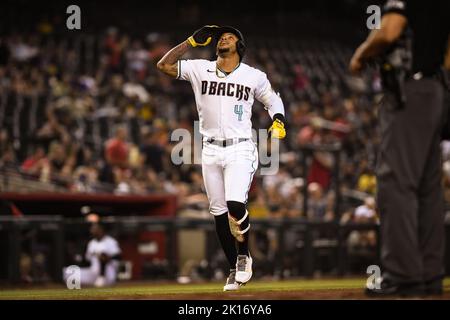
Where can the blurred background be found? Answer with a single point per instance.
(85, 125)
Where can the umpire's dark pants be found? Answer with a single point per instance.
(410, 196)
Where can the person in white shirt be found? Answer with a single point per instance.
(225, 90)
(366, 212)
(103, 253)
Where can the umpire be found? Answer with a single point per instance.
(410, 48)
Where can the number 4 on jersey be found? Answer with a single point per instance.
(238, 111)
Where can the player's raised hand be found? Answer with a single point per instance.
(203, 36)
(277, 130)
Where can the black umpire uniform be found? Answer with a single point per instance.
(411, 118)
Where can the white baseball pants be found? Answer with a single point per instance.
(228, 173)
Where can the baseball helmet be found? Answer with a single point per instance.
(240, 44)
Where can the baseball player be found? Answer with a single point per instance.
(103, 253)
(225, 90)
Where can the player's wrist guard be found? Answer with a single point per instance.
(279, 116)
(203, 36)
(277, 129)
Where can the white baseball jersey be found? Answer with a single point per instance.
(89, 275)
(224, 102)
(106, 245)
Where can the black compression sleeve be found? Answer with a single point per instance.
(280, 117)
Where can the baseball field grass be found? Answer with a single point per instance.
(348, 288)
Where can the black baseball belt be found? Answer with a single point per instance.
(226, 142)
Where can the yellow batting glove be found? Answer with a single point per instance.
(277, 129)
(194, 44)
(203, 36)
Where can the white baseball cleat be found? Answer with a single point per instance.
(243, 269)
(231, 284)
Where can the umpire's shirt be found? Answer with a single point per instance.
(410, 197)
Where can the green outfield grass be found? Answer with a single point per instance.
(147, 290)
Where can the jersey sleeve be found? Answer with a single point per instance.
(263, 89)
(268, 97)
(186, 69)
(396, 6)
(112, 247)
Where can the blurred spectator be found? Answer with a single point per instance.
(137, 58)
(85, 179)
(320, 170)
(52, 130)
(117, 149)
(4, 52)
(367, 181)
(57, 157)
(113, 49)
(446, 171)
(301, 79)
(103, 254)
(318, 204)
(5, 142)
(152, 151)
(362, 243)
(34, 163)
(23, 51)
(158, 46)
(8, 160)
(366, 213)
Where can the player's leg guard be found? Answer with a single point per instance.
(238, 220)
(226, 239)
(239, 226)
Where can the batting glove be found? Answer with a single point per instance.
(203, 36)
(277, 130)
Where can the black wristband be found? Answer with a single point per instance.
(279, 116)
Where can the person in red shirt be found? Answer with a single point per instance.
(33, 163)
(116, 149)
(116, 170)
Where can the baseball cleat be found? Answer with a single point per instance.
(100, 282)
(243, 269)
(235, 227)
(231, 284)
